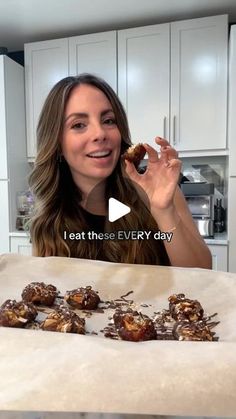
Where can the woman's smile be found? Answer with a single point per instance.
(99, 153)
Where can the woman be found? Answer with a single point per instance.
(82, 134)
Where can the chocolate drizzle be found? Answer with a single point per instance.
(183, 320)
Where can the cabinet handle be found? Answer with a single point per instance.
(164, 127)
(174, 130)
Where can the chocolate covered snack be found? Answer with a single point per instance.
(182, 308)
(64, 320)
(82, 298)
(40, 293)
(164, 325)
(134, 326)
(16, 314)
(192, 331)
(135, 153)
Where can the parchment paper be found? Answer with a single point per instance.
(48, 371)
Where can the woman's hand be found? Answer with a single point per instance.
(160, 180)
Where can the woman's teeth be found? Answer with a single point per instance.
(100, 154)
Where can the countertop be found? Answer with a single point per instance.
(219, 238)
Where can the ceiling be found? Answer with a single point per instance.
(23, 21)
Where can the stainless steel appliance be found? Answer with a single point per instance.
(200, 199)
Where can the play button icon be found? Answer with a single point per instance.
(116, 209)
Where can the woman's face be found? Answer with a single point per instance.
(91, 140)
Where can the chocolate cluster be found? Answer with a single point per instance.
(184, 321)
(182, 308)
(192, 331)
(134, 326)
(16, 314)
(82, 298)
(135, 154)
(64, 320)
(40, 293)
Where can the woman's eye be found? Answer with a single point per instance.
(78, 125)
(110, 121)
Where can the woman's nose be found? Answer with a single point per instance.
(98, 133)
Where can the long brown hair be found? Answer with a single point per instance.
(57, 197)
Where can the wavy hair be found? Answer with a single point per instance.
(57, 197)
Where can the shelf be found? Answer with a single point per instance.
(219, 238)
(19, 234)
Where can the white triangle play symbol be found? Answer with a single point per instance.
(116, 209)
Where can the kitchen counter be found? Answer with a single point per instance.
(219, 238)
(19, 234)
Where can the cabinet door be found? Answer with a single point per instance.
(231, 224)
(96, 54)
(232, 102)
(219, 257)
(199, 83)
(3, 140)
(143, 80)
(4, 217)
(21, 245)
(45, 64)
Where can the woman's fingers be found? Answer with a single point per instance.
(174, 163)
(131, 171)
(169, 152)
(135, 177)
(152, 154)
(162, 141)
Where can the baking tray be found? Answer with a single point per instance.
(48, 371)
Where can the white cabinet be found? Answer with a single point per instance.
(13, 164)
(4, 216)
(186, 61)
(199, 83)
(219, 257)
(21, 245)
(231, 224)
(95, 54)
(48, 62)
(172, 78)
(3, 133)
(232, 151)
(45, 64)
(144, 80)
(232, 103)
